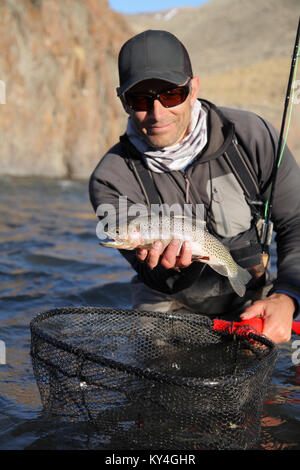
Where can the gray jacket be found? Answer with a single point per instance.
(211, 182)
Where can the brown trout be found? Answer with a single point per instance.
(143, 231)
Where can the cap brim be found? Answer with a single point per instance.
(176, 78)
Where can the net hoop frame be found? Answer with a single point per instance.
(197, 320)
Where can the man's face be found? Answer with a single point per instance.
(162, 126)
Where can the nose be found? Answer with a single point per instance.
(158, 110)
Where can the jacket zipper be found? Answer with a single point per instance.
(189, 196)
(187, 189)
(191, 199)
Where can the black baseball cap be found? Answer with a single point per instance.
(153, 54)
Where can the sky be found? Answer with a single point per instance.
(139, 6)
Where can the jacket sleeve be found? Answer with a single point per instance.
(108, 184)
(285, 211)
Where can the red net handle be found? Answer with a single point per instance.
(256, 323)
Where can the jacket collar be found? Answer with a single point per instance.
(220, 133)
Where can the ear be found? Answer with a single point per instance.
(195, 86)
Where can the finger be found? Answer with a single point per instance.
(142, 254)
(154, 254)
(278, 333)
(278, 326)
(169, 258)
(185, 258)
(255, 310)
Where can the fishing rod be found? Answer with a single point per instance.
(267, 227)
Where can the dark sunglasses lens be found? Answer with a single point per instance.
(170, 98)
(139, 102)
(174, 97)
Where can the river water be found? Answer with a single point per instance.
(49, 258)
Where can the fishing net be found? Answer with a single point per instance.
(148, 380)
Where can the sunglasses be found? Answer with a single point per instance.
(168, 98)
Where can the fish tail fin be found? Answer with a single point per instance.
(239, 281)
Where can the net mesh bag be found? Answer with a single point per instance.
(148, 380)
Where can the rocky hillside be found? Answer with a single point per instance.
(58, 61)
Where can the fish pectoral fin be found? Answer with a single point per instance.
(200, 258)
(147, 246)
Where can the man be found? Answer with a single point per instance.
(180, 149)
